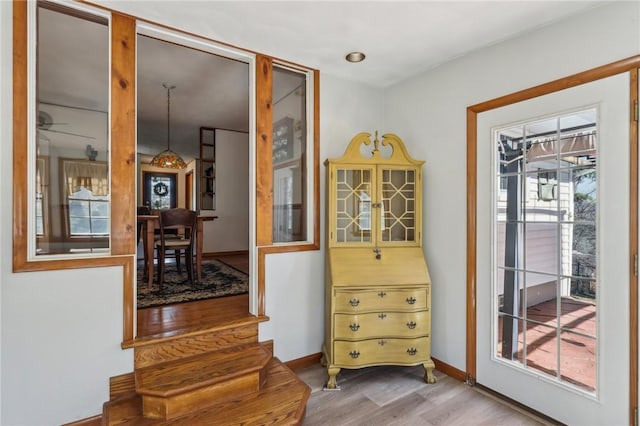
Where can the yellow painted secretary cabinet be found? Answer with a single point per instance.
(377, 295)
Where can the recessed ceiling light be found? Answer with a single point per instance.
(355, 57)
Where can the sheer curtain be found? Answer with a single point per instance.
(92, 175)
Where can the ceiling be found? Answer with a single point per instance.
(400, 39)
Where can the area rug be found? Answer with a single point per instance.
(218, 280)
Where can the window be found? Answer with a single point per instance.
(87, 198)
(69, 201)
(291, 155)
(547, 186)
(545, 278)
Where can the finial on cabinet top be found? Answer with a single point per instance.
(375, 142)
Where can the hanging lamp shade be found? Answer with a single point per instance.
(168, 159)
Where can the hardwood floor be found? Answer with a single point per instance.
(238, 261)
(392, 395)
(192, 315)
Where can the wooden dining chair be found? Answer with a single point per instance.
(183, 221)
(143, 211)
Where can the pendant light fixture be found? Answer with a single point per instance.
(168, 159)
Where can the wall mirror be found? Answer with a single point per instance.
(70, 203)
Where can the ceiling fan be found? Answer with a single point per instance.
(45, 121)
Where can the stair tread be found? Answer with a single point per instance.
(123, 409)
(167, 336)
(282, 400)
(194, 372)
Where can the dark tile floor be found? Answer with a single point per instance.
(577, 350)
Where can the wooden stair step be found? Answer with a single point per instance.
(124, 409)
(196, 340)
(176, 387)
(282, 400)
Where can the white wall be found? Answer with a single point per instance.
(230, 232)
(294, 284)
(429, 113)
(61, 343)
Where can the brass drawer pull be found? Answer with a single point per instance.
(412, 351)
(411, 300)
(382, 294)
(354, 302)
(382, 316)
(382, 342)
(354, 327)
(354, 354)
(411, 325)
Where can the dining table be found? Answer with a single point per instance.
(152, 222)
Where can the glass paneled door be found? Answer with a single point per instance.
(552, 266)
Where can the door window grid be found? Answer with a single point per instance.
(546, 252)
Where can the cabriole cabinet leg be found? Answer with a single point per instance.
(332, 382)
(428, 372)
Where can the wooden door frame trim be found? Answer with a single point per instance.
(630, 65)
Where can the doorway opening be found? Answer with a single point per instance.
(212, 90)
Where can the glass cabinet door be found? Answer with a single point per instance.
(398, 198)
(353, 218)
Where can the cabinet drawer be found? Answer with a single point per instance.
(381, 324)
(381, 300)
(381, 351)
